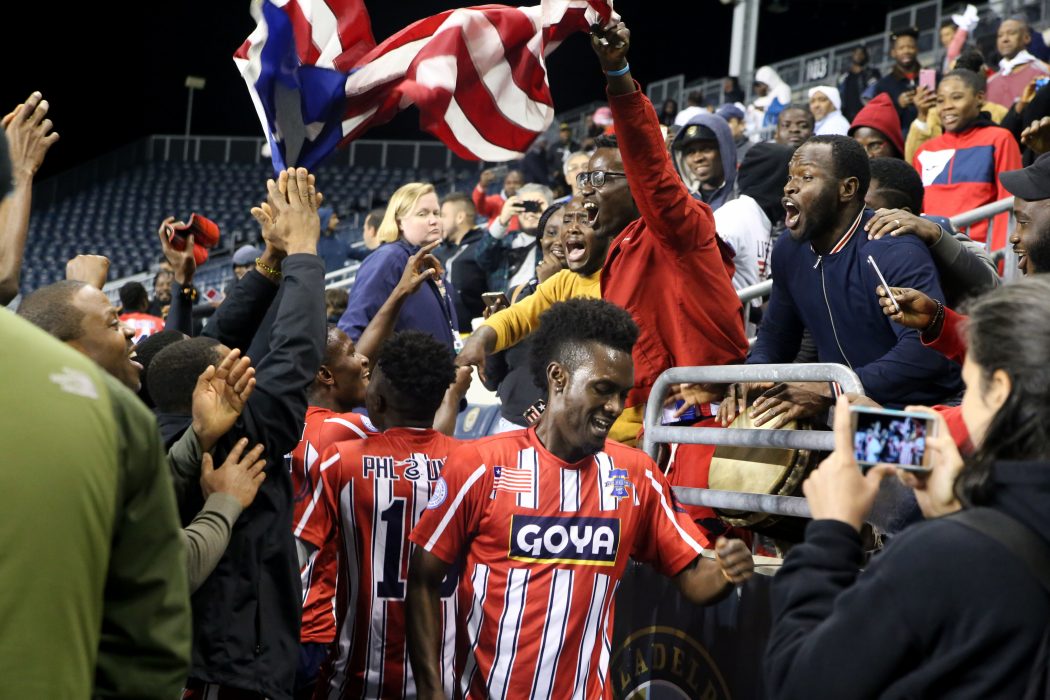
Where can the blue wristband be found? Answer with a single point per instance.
(617, 73)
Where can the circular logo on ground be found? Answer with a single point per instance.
(665, 663)
(440, 494)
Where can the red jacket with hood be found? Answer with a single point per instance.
(669, 269)
(881, 115)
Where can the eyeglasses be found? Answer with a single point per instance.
(596, 178)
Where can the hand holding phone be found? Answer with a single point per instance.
(928, 79)
(885, 284)
(495, 301)
(887, 436)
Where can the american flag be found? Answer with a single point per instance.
(478, 75)
(513, 479)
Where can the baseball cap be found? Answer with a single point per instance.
(246, 255)
(730, 111)
(695, 132)
(1031, 183)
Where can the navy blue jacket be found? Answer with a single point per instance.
(833, 296)
(427, 310)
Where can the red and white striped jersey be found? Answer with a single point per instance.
(373, 493)
(323, 429)
(546, 543)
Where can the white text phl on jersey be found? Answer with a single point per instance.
(381, 486)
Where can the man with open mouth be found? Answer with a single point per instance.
(546, 520)
(823, 282)
(665, 263)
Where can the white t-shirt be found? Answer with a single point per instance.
(742, 224)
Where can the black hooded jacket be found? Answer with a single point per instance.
(762, 176)
(943, 611)
(246, 614)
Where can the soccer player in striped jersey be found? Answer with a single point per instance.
(371, 494)
(547, 518)
(338, 387)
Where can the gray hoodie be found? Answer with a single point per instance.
(727, 149)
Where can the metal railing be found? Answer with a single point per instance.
(359, 153)
(655, 433)
(818, 67)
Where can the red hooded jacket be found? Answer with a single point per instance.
(880, 114)
(669, 269)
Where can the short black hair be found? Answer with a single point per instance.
(972, 80)
(146, 350)
(903, 32)
(569, 324)
(51, 308)
(795, 106)
(949, 22)
(970, 59)
(848, 158)
(899, 183)
(419, 370)
(606, 141)
(174, 371)
(133, 297)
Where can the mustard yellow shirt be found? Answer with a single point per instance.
(514, 324)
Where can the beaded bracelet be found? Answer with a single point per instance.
(267, 270)
(621, 71)
(938, 317)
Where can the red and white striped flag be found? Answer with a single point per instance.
(513, 479)
(478, 75)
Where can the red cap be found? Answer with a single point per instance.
(881, 115)
(205, 234)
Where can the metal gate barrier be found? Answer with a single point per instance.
(656, 433)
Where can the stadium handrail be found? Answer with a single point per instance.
(824, 65)
(655, 433)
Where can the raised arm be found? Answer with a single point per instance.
(663, 200)
(295, 341)
(421, 267)
(184, 266)
(242, 312)
(29, 136)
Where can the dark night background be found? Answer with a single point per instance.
(115, 72)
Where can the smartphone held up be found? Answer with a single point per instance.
(887, 436)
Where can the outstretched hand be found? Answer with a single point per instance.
(421, 266)
(220, 396)
(611, 44)
(238, 476)
(29, 136)
(295, 201)
(182, 262)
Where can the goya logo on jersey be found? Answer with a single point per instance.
(537, 538)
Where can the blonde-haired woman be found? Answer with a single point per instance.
(412, 220)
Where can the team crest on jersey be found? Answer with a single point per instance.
(537, 538)
(618, 483)
(440, 494)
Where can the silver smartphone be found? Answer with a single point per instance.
(885, 284)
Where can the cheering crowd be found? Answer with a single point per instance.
(267, 500)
